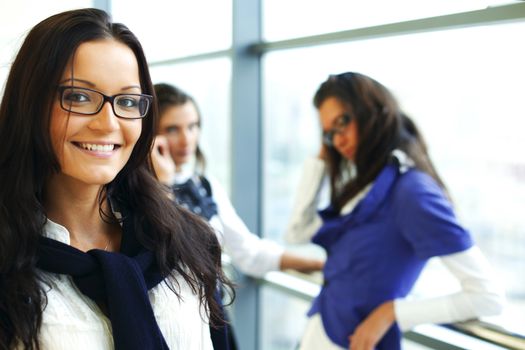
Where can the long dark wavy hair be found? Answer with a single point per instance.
(171, 96)
(181, 242)
(381, 127)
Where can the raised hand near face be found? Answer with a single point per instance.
(162, 162)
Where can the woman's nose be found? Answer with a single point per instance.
(184, 137)
(105, 119)
(339, 139)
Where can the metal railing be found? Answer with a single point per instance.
(469, 335)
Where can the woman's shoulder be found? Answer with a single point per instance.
(414, 182)
(415, 188)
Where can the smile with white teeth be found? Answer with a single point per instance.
(97, 148)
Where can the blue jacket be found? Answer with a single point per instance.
(376, 252)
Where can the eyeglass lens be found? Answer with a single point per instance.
(339, 124)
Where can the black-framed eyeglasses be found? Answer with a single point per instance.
(338, 126)
(86, 101)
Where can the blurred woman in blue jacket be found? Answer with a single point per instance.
(389, 213)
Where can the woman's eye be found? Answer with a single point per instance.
(76, 97)
(128, 102)
(342, 121)
(339, 123)
(193, 126)
(172, 130)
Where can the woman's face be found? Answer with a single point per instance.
(345, 139)
(180, 125)
(93, 149)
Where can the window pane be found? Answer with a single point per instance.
(18, 17)
(209, 84)
(283, 319)
(169, 29)
(296, 18)
(465, 90)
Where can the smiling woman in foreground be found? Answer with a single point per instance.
(93, 255)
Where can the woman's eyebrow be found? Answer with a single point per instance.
(79, 80)
(130, 87)
(87, 82)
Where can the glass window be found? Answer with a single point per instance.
(209, 84)
(296, 18)
(281, 330)
(169, 29)
(18, 17)
(465, 90)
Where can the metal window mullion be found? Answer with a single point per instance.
(488, 16)
(246, 145)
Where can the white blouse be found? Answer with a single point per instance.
(71, 320)
(249, 253)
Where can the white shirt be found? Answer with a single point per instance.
(71, 320)
(479, 295)
(249, 253)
